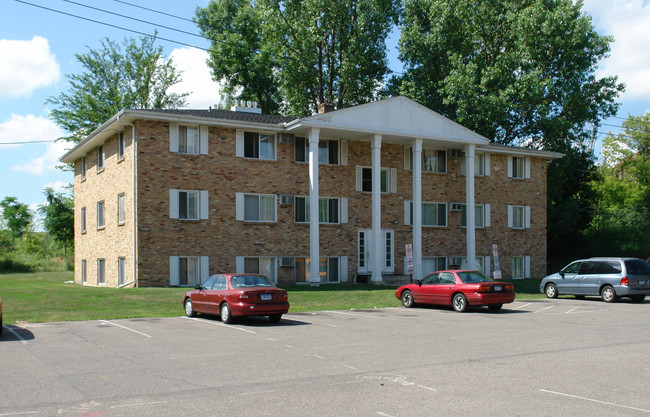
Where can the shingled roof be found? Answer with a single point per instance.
(229, 115)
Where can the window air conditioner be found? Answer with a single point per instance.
(456, 207)
(286, 200)
(287, 261)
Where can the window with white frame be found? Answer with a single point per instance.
(433, 160)
(84, 271)
(328, 150)
(121, 146)
(433, 214)
(433, 263)
(188, 204)
(518, 167)
(188, 139)
(388, 178)
(481, 264)
(188, 270)
(121, 271)
(328, 268)
(101, 271)
(100, 214)
(84, 168)
(330, 210)
(481, 215)
(520, 267)
(256, 207)
(259, 145)
(519, 217)
(101, 157)
(83, 220)
(481, 164)
(264, 265)
(121, 208)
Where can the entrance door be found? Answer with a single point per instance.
(386, 250)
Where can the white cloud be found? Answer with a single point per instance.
(57, 186)
(46, 162)
(196, 78)
(628, 21)
(27, 129)
(25, 66)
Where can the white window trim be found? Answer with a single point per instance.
(84, 271)
(204, 204)
(342, 206)
(174, 143)
(408, 160)
(101, 158)
(240, 207)
(407, 213)
(526, 173)
(240, 264)
(486, 216)
(103, 214)
(239, 144)
(525, 267)
(526, 219)
(84, 168)
(391, 177)
(121, 208)
(486, 164)
(121, 270)
(121, 146)
(174, 271)
(84, 220)
(101, 261)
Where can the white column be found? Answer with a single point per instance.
(469, 206)
(314, 241)
(377, 247)
(417, 208)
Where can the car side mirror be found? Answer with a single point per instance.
(419, 282)
(198, 287)
(561, 274)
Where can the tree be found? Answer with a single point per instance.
(515, 71)
(293, 55)
(16, 216)
(138, 77)
(58, 218)
(627, 154)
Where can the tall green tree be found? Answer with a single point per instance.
(293, 55)
(16, 217)
(58, 218)
(114, 78)
(627, 154)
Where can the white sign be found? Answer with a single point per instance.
(497, 268)
(409, 259)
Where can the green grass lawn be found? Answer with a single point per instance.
(45, 297)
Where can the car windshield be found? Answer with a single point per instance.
(637, 267)
(241, 281)
(472, 276)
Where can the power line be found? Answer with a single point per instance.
(155, 11)
(28, 142)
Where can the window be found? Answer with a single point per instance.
(433, 160)
(84, 277)
(188, 204)
(84, 168)
(481, 215)
(121, 146)
(121, 217)
(433, 214)
(256, 207)
(481, 263)
(83, 220)
(388, 178)
(328, 268)
(433, 263)
(121, 271)
(262, 265)
(520, 267)
(188, 270)
(190, 140)
(328, 210)
(100, 214)
(328, 150)
(259, 145)
(518, 167)
(481, 161)
(519, 217)
(101, 277)
(101, 158)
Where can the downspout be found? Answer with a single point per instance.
(133, 220)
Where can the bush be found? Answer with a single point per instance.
(11, 265)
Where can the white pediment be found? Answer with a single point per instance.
(397, 117)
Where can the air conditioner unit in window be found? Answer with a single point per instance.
(455, 260)
(286, 200)
(456, 207)
(287, 261)
(286, 138)
(457, 153)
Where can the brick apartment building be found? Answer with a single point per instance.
(167, 197)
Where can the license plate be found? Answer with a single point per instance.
(266, 297)
(643, 282)
(498, 288)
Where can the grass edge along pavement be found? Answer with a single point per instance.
(50, 296)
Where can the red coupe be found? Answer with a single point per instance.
(231, 295)
(459, 289)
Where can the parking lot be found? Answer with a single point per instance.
(537, 358)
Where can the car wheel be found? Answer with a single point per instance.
(407, 299)
(226, 317)
(495, 307)
(459, 302)
(189, 309)
(275, 317)
(550, 290)
(608, 294)
(638, 298)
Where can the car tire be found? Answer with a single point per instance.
(637, 298)
(1, 326)
(407, 299)
(189, 308)
(550, 290)
(275, 318)
(459, 302)
(608, 294)
(226, 317)
(495, 307)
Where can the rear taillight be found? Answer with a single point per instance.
(244, 296)
(625, 281)
(484, 288)
(285, 297)
(509, 288)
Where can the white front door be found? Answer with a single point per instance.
(386, 251)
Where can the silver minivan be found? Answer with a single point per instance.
(610, 278)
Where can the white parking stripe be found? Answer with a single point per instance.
(535, 312)
(595, 401)
(215, 323)
(572, 310)
(521, 306)
(23, 341)
(19, 414)
(355, 314)
(124, 327)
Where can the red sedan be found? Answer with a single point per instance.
(459, 289)
(231, 295)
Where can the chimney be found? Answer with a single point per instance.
(246, 107)
(325, 108)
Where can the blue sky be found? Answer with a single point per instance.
(37, 48)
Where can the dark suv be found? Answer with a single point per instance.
(610, 278)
